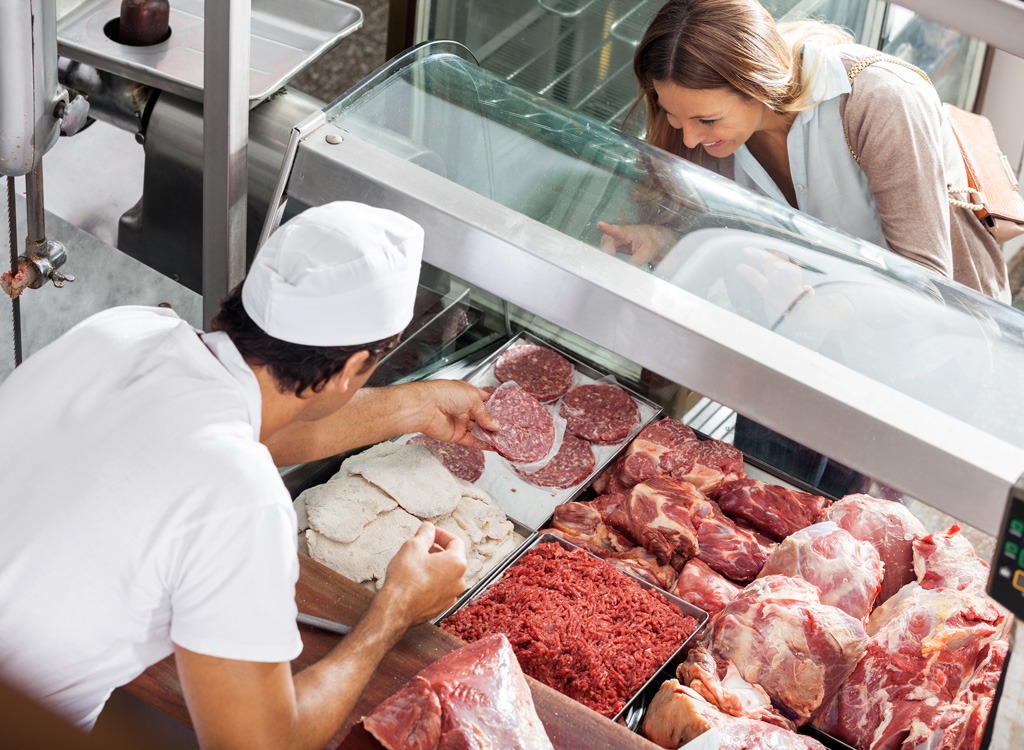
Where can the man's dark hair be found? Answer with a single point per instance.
(294, 367)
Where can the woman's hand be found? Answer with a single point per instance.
(643, 243)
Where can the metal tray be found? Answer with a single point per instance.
(285, 38)
(527, 503)
(685, 607)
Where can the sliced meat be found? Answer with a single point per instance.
(773, 510)
(543, 372)
(660, 448)
(461, 460)
(572, 464)
(889, 527)
(527, 431)
(702, 587)
(847, 571)
(602, 414)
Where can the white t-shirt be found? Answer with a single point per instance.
(137, 509)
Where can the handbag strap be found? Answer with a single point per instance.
(856, 70)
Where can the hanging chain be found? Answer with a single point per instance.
(12, 227)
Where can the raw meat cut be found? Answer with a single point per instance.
(734, 551)
(602, 414)
(702, 587)
(928, 648)
(773, 510)
(543, 372)
(474, 697)
(678, 715)
(577, 624)
(570, 465)
(948, 560)
(461, 460)
(846, 571)
(662, 515)
(527, 429)
(581, 524)
(714, 463)
(640, 563)
(661, 448)
(781, 637)
(889, 527)
(720, 684)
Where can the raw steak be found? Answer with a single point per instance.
(734, 551)
(948, 560)
(640, 563)
(702, 587)
(662, 515)
(714, 463)
(678, 715)
(474, 697)
(527, 431)
(846, 571)
(720, 684)
(889, 527)
(571, 465)
(781, 637)
(602, 414)
(543, 372)
(657, 450)
(461, 460)
(581, 524)
(577, 624)
(773, 510)
(928, 648)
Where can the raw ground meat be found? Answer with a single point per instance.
(543, 372)
(602, 414)
(577, 624)
(570, 466)
(527, 431)
(461, 460)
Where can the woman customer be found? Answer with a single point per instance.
(774, 107)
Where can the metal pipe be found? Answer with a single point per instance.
(226, 43)
(36, 216)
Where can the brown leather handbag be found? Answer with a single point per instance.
(991, 191)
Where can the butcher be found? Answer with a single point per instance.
(143, 513)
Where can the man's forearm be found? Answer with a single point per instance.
(327, 692)
(373, 415)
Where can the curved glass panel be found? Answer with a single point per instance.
(851, 301)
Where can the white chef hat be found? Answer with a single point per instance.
(340, 274)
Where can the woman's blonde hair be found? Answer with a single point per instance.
(731, 44)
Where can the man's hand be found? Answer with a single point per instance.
(448, 409)
(425, 577)
(643, 243)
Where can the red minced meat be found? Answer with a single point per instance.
(543, 372)
(527, 431)
(578, 625)
(602, 414)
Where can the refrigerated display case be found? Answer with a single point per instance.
(907, 378)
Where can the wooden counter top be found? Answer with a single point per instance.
(322, 592)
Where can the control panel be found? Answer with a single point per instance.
(1006, 581)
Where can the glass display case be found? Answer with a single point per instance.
(905, 377)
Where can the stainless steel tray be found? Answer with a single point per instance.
(527, 503)
(685, 607)
(285, 38)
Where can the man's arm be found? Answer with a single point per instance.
(239, 704)
(443, 409)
